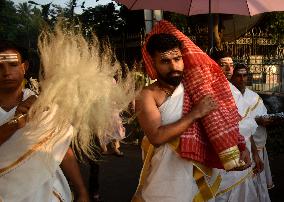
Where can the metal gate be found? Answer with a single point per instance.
(264, 55)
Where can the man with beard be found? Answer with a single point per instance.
(184, 121)
(159, 111)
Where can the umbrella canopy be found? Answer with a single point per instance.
(195, 7)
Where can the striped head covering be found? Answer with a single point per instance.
(206, 138)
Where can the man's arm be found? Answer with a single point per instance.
(149, 118)
(258, 162)
(71, 169)
(244, 157)
(9, 128)
(6, 131)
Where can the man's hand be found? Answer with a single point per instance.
(19, 120)
(24, 106)
(258, 163)
(258, 168)
(203, 107)
(23, 109)
(244, 157)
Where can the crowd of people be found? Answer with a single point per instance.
(204, 131)
(168, 176)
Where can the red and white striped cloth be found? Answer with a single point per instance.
(217, 131)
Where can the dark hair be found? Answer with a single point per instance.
(239, 66)
(216, 55)
(162, 43)
(6, 45)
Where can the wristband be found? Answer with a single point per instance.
(16, 119)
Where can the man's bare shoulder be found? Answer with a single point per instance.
(150, 90)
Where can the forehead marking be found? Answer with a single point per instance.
(170, 52)
(226, 59)
(242, 71)
(8, 57)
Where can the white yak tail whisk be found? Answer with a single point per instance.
(78, 78)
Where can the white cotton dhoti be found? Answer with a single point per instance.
(267, 171)
(260, 180)
(238, 185)
(264, 179)
(170, 178)
(29, 163)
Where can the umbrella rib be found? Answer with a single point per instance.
(248, 7)
(133, 4)
(189, 7)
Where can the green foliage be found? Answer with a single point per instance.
(104, 19)
(109, 20)
(133, 20)
(8, 20)
(25, 20)
(195, 27)
(179, 20)
(55, 12)
(20, 24)
(274, 24)
(29, 25)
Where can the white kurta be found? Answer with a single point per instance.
(264, 179)
(30, 173)
(171, 177)
(236, 184)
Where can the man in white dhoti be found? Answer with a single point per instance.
(239, 185)
(257, 110)
(24, 174)
(159, 110)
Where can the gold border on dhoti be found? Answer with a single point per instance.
(206, 191)
(58, 196)
(250, 109)
(25, 155)
(249, 174)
